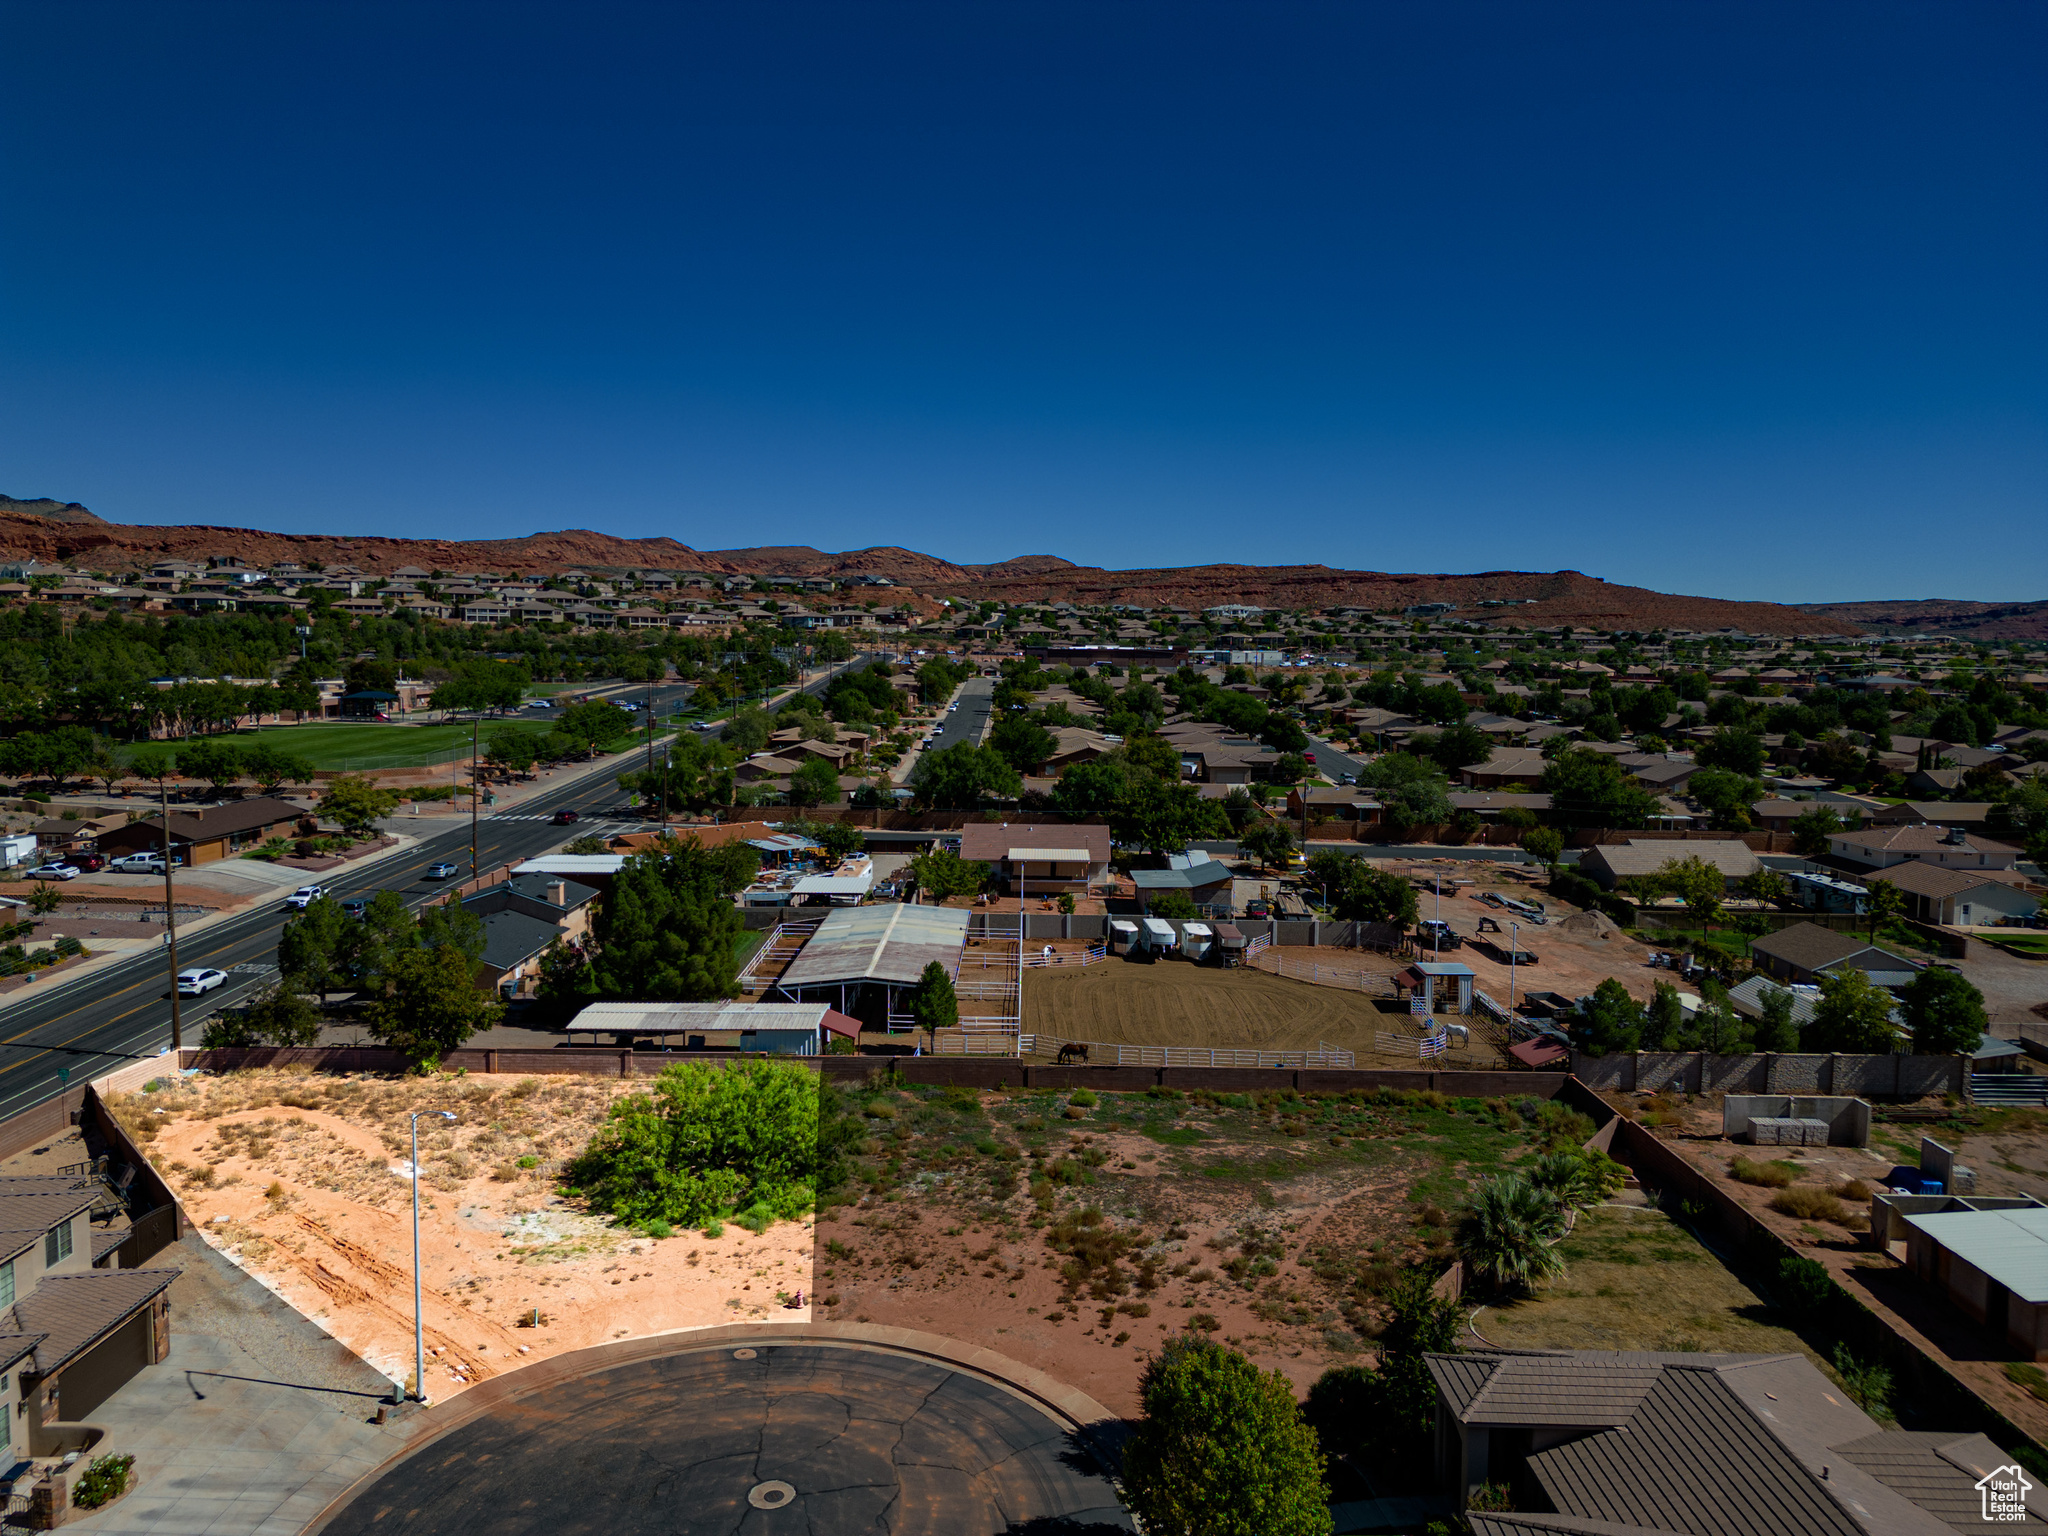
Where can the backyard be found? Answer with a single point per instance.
(1074, 1231)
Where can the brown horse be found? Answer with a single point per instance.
(1073, 1050)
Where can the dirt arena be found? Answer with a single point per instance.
(1176, 1003)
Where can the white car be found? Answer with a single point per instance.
(141, 864)
(192, 983)
(53, 872)
(305, 896)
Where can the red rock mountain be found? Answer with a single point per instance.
(66, 532)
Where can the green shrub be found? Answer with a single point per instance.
(1804, 1286)
(656, 1228)
(1868, 1386)
(1085, 1097)
(1810, 1204)
(103, 1481)
(708, 1142)
(1772, 1175)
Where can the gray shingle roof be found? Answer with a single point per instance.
(1808, 945)
(1692, 1458)
(511, 938)
(1938, 1471)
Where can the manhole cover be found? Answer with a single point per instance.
(743, 1354)
(771, 1495)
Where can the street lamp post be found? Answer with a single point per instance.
(419, 1326)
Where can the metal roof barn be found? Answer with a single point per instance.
(892, 942)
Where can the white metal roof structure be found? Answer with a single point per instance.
(573, 864)
(892, 942)
(2009, 1246)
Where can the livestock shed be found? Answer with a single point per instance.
(861, 957)
(1992, 1266)
(783, 1029)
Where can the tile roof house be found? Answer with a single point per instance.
(1971, 815)
(1951, 847)
(1640, 1444)
(1509, 766)
(71, 1333)
(210, 832)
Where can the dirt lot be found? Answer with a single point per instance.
(2018, 1137)
(304, 1181)
(1173, 1002)
(1076, 1235)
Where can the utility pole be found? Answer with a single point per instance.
(650, 753)
(163, 788)
(475, 793)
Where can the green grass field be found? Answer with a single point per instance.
(354, 748)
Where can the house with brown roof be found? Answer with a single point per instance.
(1970, 815)
(1949, 847)
(1039, 861)
(1960, 898)
(210, 832)
(71, 1332)
(1611, 863)
(1802, 953)
(1628, 1443)
(1506, 766)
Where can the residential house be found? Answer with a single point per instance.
(71, 1332)
(1805, 952)
(1611, 863)
(1341, 802)
(1206, 881)
(1487, 805)
(210, 832)
(1508, 765)
(1949, 847)
(1039, 861)
(1970, 815)
(522, 916)
(1960, 898)
(1634, 1443)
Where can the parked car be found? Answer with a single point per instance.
(305, 896)
(1347, 778)
(566, 818)
(144, 863)
(1258, 909)
(53, 872)
(441, 871)
(192, 983)
(540, 704)
(91, 863)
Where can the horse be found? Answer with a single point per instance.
(1073, 1050)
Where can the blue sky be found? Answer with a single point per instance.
(1742, 300)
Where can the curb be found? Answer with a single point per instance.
(1074, 1410)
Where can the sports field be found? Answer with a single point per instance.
(350, 747)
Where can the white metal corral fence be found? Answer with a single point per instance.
(1101, 1053)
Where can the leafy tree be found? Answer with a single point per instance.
(1238, 810)
(1361, 892)
(1454, 747)
(44, 900)
(1609, 1022)
(272, 767)
(1776, 1030)
(666, 929)
(1508, 1234)
(1729, 796)
(1766, 885)
(1944, 1012)
(429, 1004)
(942, 874)
(219, 763)
(1409, 789)
(841, 840)
(1161, 816)
(600, 725)
(1420, 1323)
(1664, 1019)
(1172, 904)
(1737, 751)
(511, 751)
(815, 782)
(1852, 1015)
(1222, 1449)
(709, 1142)
(1023, 743)
(962, 776)
(933, 1003)
(1546, 843)
(356, 803)
(1695, 882)
(1268, 841)
(1590, 789)
(1883, 901)
(749, 731)
(1812, 829)
(312, 949)
(280, 1017)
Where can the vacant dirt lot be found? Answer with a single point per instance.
(305, 1182)
(1172, 1002)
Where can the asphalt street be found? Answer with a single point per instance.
(976, 700)
(1331, 763)
(110, 1017)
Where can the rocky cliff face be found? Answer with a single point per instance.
(1939, 615)
(66, 532)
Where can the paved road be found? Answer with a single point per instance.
(109, 1017)
(1332, 763)
(826, 1440)
(965, 723)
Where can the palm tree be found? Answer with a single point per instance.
(1507, 1234)
(1570, 1177)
